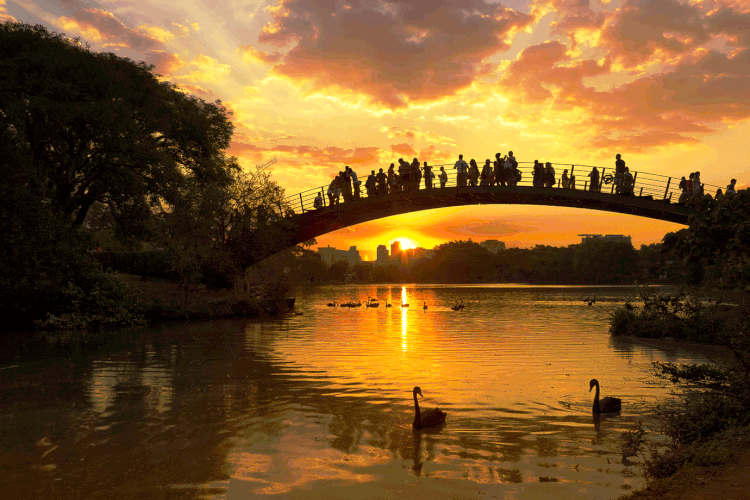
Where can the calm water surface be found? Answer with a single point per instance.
(319, 405)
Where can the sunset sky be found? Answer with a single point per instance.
(319, 84)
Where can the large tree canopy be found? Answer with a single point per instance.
(96, 127)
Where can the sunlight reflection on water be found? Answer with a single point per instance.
(320, 405)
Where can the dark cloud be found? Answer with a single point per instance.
(392, 52)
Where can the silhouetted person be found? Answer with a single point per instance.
(594, 175)
(619, 170)
(719, 194)
(473, 172)
(462, 171)
(355, 182)
(683, 187)
(318, 202)
(346, 184)
(731, 187)
(382, 181)
(690, 184)
(564, 180)
(509, 169)
(627, 182)
(371, 185)
(537, 179)
(551, 175)
(403, 174)
(416, 174)
(443, 177)
(697, 190)
(498, 169)
(486, 175)
(429, 175)
(392, 181)
(332, 191)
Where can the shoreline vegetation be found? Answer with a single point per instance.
(704, 433)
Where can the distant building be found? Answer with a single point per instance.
(354, 257)
(493, 246)
(396, 250)
(331, 255)
(382, 255)
(606, 237)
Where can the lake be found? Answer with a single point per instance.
(319, 405)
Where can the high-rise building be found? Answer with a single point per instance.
(382, 255)
(396, 250)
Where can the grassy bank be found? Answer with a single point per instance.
(165, 300)
(709, 425)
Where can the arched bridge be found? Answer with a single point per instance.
(650, 195)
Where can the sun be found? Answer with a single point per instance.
(407, 243)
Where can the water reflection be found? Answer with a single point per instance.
(303, 405)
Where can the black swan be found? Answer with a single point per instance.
(430, 418)
(606, 405)
(387, 304)
(458, 307)
(425, 306)
(331, 304)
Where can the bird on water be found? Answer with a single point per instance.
(430, 418)
(606, 405)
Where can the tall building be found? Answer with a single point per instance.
(382, 255)
(353, 256)
(493, 246)
(396, 250)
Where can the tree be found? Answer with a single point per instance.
(599, 261)
(718, 235)
(458, 262)
(96, 127)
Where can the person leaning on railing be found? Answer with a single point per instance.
(318, 202)
(443, 177)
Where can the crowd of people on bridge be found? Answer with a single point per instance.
(502, 172)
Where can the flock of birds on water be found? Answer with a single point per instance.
(434, 417)
(373, 302)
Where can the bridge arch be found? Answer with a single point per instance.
(314, 223)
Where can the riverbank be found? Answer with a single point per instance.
(165, 300)
(708, 430)
(730, 481)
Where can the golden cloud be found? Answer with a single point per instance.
(394, 54)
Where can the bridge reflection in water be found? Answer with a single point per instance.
(652, 196)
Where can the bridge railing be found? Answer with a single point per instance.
(645, 184)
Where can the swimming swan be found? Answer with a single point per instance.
(606, 405)
(430, 418)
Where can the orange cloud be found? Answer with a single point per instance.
(251, 54)
(106, 29)
(697, 93)
(393, 53)
(403, 149)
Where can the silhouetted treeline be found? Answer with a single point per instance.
(593, 262)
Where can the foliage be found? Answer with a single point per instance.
(719, 234)
(675, 315)
(599, 261)
(98, 127)
(457, 261)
